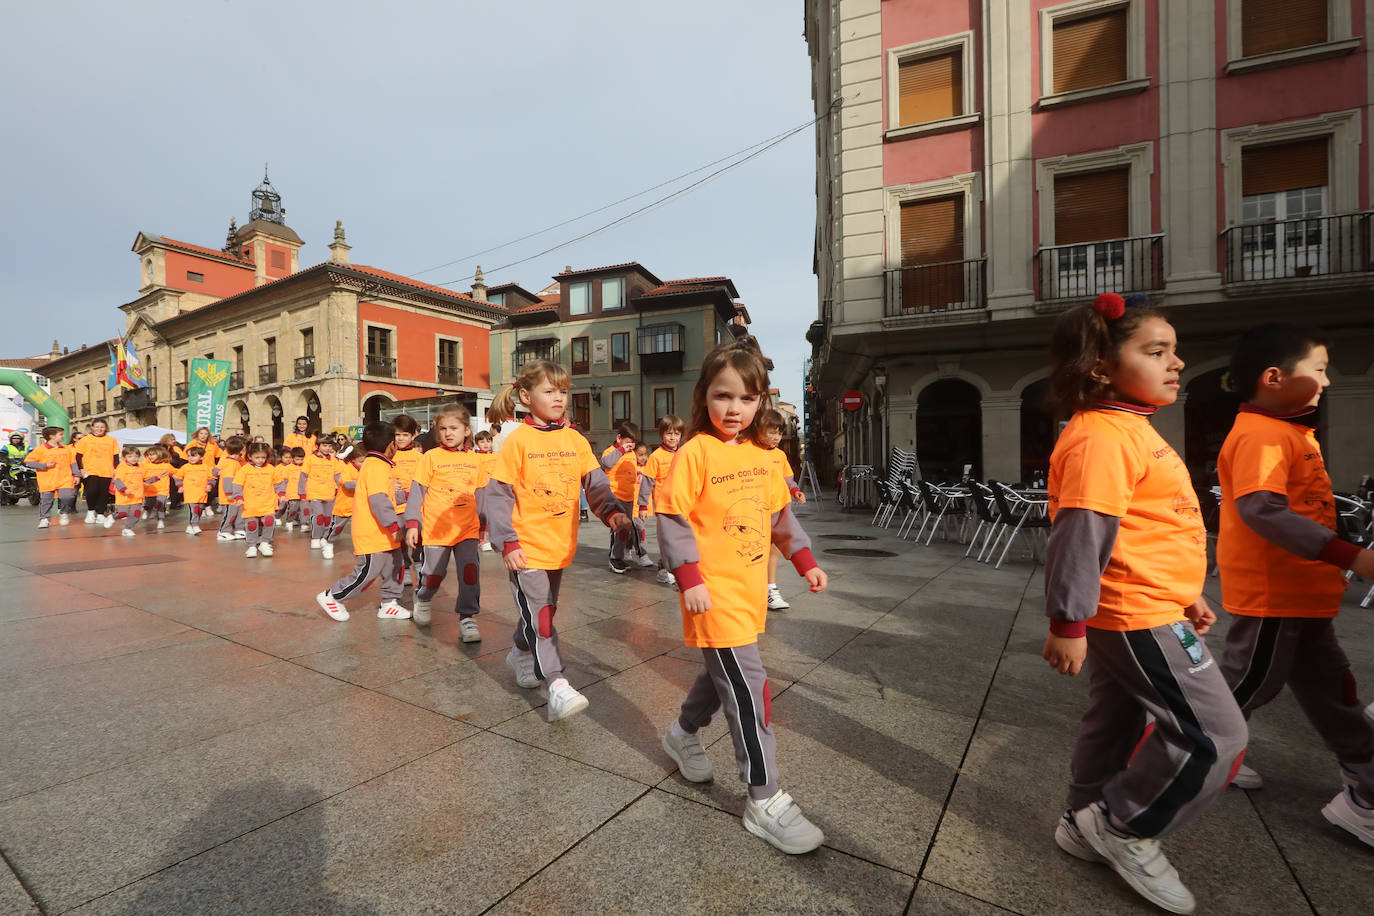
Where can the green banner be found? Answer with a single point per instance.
(208, 395)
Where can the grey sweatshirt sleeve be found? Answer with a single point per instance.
(676, 541)
(791, 484)
(233, 488)
(500, 502)
(600, 499)
(36, 465)
(383, 510)
(609, 459)
(415, 503)
(1269, 516)
(646, 490)
(788, 535)
(480, 495)
(1080, 546)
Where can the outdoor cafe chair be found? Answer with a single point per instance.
(1030, 515)
(984, 505)
(937, 501)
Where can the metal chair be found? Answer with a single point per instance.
(1032, 515)
(984, 505)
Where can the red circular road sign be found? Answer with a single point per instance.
(852, 400)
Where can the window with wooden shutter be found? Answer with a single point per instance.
(1284, 166)
(932, 234)
(1092, 206)
(1279, 25)
(930, 88)
(1090, 51)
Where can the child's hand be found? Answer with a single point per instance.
(817, 579)
(1065, 654)
(697, 599)
(620, 522)
(1202, 616)
(412, 538)
(1364, 564)
(515, 560)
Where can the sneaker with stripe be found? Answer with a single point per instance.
(564, 701)
(331, 607)
(392, 610)
(1346, 812)
(1138, 860)
(1070, 839)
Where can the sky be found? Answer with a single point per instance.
(433, 130)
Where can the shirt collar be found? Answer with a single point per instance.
(560, 423)
(381, 456)
(1125, 407)
(1307, 416)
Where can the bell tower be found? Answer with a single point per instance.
(265, 239)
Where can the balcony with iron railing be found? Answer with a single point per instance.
(267, 374)
(450, 375)
(527, 350)
(1308, 251)
(139, 399)
(305, 366)
(116, 403)
(100, 406)
(1083, 270)
(182, 390)
(928, 290)
(383, 366)
(236, 380)
(86, 409)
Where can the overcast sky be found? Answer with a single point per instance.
(433, 130)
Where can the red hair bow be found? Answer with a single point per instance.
(1110, 306)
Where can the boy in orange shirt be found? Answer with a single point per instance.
(482, 445)
(256, 488)
(128, 486)
(654, 472)
(96, 456)
(57, 475)
(157, 484)
(376, 532)
(1281, 561)
(231, 520)
(193, 478)
(406, 458)
(296, 510)
(343, 502)
(618, 461)
(771, 427)
(321, 472)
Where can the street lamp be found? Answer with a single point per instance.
(313, 405)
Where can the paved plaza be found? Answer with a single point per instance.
(185, 733)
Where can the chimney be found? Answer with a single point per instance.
(479, 286)
(338, 249)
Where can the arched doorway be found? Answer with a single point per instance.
(1037, 431)
(238, 414)
(1208, 414)
(310, 409)
(949, 430)
(278, 420)
(373, 406)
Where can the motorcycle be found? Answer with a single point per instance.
(16, 483)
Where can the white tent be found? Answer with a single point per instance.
(144, 435)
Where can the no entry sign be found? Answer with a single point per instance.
(852, 400)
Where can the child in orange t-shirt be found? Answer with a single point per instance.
(296, 510)
(322, 472)
(1124, 571)
(231, 518)
(652, 475)
(343, 502)
(483, 446)
(1281, 560)
(96, 456)
(128, 489)
(257, 488)
(532, 508)
(441, 511)
(376, 532)
(772, 425)
(721, 506)
(157, 483)
(193, 478)
(622, 469)
(58, 472)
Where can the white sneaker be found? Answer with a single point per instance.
(251, 552)
(1369, 713)
(644, 561)
(127, 532)
(64, 519)
(264, 550)
(780, 821)
(192, 529)
(392, 610)
(240, 535)
(161, 524)
(486, 545)
(90, 517)
(467, 630)
(564, 701)
(42, 523)
(198, 529)
(316, 543)
(1138, 860)
(1247, 778)
(1070, 839)
(327, 550)
(522, 663)
(421, 613)
(1351, 816)
(290, 526)
(776, 602)
(224, 536)
(664, 577)
(686, 751)
(108, 522)
(210, 511)
(330, 606)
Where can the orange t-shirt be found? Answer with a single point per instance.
(343, 503)
(485, 462)
(656, 468)
(545, 468)
(163, 485)
(98, 455)
(296, 440)
(213, 452)
(295, 481)
(406, 461)
(195, 481)
(131, 475)
(319, 477)
(1113, 462)
(625, 478)
(450, 479)
(226, 467)
(1259, 578)
(377, 475)
(59, 476)
(728, 494)
(259, 487)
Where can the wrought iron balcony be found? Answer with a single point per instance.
(86, 409)
(1134, 265)
(182, 390)
(236, 380)
(952, 286)
(384, 366)
(1299, 249)
(527, 350)
(450, 375)
(99, 406)
(305, 366)
(267, 374)
(139, 399)
(116, 403)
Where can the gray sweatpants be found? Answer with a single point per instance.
(734, 680)
(336, 527)
(230, 517)
(155, 508)
(129, 515)
(466, 566)
(536, 598)
(259, 530)
(623, 541)
(66, 500)
(385, 565)
(321, 511)
(1187, 756)
(1264, 653)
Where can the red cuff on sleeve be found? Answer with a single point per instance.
(511, 547)
(1339, 552)
(1069, 629)
(803, 562)
(394, 528)
(688, 575)
(797, 493)
(412, 523)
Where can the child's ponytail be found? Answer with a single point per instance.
(503, 407)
